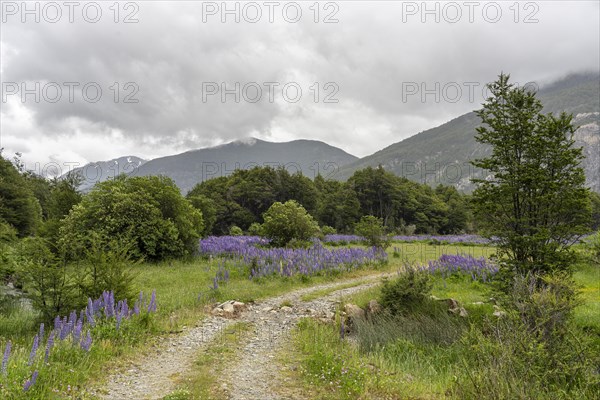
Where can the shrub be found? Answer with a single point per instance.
(286, 221)
(372, 230)
(255, 229)
(533, 351)
(47, 281)
(235, 231)
(106, 268)
(408, 291)
(328, 230)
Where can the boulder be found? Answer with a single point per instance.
(374, 307)
(353, 311)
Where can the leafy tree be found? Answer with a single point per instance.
(534, 200)
(371, 228)
(148, 212)
(47, 281)
(18, 205)
(338, 205)
(284, 222)
(595, 200)
(208, 209)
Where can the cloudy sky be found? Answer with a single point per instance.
(94, 81)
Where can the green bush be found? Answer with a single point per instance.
(328, 230)
(534, 351)
(371, 228)
(286, 221)
(255, 229)
(106, 267)
(235, 231)
(46, 278)
(410, 290)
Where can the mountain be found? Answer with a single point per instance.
(102, 170)
(309, 157)
(442, 154)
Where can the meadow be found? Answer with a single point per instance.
(77, 351)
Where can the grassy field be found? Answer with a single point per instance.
(184, 288)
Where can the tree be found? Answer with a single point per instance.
(595, 200)
(372, 230)
(534, 199)
(284, 222)
(147, 213)
(18, 205)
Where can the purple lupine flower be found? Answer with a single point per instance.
(49, 345)
(6, 357)
(65, 330)
(57, 323)
(30, 382)
(41, 334)
(34, 348)
(77, 332)
(152, 304)
(89, 313)
(86, 343)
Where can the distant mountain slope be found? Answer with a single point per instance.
(102, 170)
(307, 156)
(442, 154)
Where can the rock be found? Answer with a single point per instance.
(329, 314)
(452, 304)
(374, 307)
(353, 311)
(498, 312)
(286, 309)
(228, 308)
(238, 306)
(217, 311)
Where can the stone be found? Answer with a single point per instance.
(353, 311)
(374, 307)
(228, 308)
(286, 309)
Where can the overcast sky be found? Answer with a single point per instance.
(370, 73)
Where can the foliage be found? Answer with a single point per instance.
(534, 201)
(46, 278)
(208, 209)
(18, 205)
(106, 267)
(328, 230)
(147, 212)
(595, 202)
(409, 290)
(531, 352)
(371, 229)
(287, 221)
(255, 229)
(235, 231)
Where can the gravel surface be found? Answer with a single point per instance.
(255, 374)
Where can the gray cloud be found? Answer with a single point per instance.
(371, 54)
